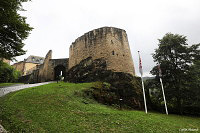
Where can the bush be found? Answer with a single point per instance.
(121, 94)
(114, 88)
(8, 73)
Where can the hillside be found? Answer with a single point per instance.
(62, 108)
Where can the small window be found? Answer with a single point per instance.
(113, 52)
(111, 41)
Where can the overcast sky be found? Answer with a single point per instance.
(57, 23)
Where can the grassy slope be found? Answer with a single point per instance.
(55, 108)
(8, 84)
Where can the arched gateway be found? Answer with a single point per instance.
(59, 70)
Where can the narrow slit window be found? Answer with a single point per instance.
(113, 52)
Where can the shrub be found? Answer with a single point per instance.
(8, 73)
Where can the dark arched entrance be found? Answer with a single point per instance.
(57, 71)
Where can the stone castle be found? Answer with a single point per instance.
(28, 65)
(108, 43)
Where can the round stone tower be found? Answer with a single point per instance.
(109, 43)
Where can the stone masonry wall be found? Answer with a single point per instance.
(19, 66)
(28, 66)
(109, 43)
(43, 71)
(54, 63)
(24, 67)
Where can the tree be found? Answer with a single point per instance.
(8, 73)
(13, 29)
(176, 58)
(194, 85)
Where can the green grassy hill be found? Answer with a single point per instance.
(8, 84)
(61, 108)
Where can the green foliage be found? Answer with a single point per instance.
(8, 84)
(103, 93)
(55, 108)
(122, 94)
(8, 73)
(193, 85)
(13, 29)
(177, 61)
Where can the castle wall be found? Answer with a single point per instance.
(43, 71)
(28, 67)
(19, 66)
(109, 43)
(25, 67)
(54, 63)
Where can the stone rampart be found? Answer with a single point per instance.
(109, 43)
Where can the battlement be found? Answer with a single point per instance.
(106, 42)
(95, 34)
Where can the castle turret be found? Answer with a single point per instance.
(109, 43)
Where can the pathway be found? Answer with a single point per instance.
(6, 90)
